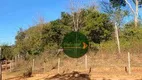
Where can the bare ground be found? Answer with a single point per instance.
(103, 67)
(98, 73)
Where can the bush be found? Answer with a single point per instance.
(28, 73)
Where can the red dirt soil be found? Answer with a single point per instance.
(98, 73)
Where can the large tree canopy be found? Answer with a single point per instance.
(98, 26)
(135, 11)
(7, 51)
(118, 3)
(41, 37)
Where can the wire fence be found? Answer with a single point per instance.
(64, 64)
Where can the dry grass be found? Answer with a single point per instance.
(102, 63)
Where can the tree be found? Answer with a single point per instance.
(130, 33)
(116, 14)
(54, 31)
(77, 14)
(98, 27)
(29, 41)
(7, 52)
(19, 47)
(138, 3)
(49, 36)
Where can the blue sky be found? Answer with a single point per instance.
(15, 14)
(23, 13)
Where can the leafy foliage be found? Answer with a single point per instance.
(130, 33)
(139, 2)
(116, 14)
(7, 52)
(46, 36)
(97, 26)
(118, 3)
(29, 42)
(54, 33)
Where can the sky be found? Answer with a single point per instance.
(15, 14)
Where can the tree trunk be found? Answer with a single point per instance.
(75, 11)
(74, 22)
(117, 38)
(136, 14)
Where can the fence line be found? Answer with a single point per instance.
(33, 65)
(58, 65)
(129, 63)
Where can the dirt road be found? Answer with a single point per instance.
(98, 73)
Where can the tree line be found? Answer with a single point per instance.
(97, 25)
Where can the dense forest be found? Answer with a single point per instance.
(97, 25)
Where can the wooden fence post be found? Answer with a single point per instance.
(10, 66)
(33, 65)
(6, 65)
(86, 62)
(44, 67)
(0, 65)
(129, 63)
(58, 65)
(15, 62)
(18, 57)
